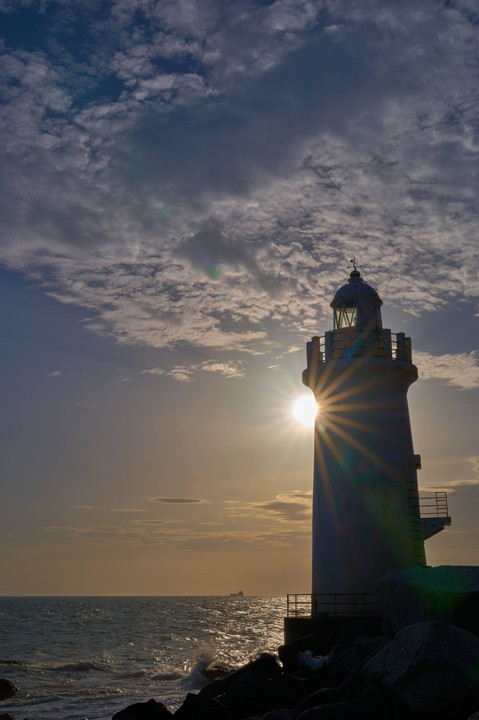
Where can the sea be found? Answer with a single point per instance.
(86, 658)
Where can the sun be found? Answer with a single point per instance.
(305, 410)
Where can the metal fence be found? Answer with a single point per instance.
(332, 604)
(434, 505)
(354, 342)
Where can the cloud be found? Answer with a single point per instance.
(185, 373)
(287, 507)
(105, 509)
(460, 370)
(128, 510)
(177, 500)
(201, 174)
(227, 369)
(55, 373)
(98, 532)
(284, 521)
(290, 507)
(188, 538)
(475, 463)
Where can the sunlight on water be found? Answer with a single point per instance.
(90, 657)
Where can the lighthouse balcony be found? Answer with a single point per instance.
(434, 514)
(349, 342)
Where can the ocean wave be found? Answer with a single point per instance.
(196, 678)
(134, 674)
(78, 667)
(11, 662)
(169, 676)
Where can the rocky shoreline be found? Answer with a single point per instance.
(428, 670)
(423, 665)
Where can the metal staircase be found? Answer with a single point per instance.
(415, 514)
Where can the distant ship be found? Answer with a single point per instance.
(240, 593)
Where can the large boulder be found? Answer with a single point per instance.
(151, 710)
(7, 689)
(320, 697)
(363, 708)
(448, 594)
(196, 707)
(252, 695)
(366, 646)
(343, 666)
(428, 669)
(266, 666)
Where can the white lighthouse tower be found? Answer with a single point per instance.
(366, 513)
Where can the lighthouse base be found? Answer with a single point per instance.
(324, 631)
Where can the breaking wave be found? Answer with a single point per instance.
(196, 678)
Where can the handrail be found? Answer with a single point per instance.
(332, 604)
(357, 342)
(295, 605)
(434, 505)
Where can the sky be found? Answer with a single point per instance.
(183, 186)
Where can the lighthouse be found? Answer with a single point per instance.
(366, 509)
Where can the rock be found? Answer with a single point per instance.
(150, 710)
(275, 715)
(296, 687)
(251, 695)
(265, 665)
(365, 708)
(195, 707)
(448, 594)
(475, 716)
(343, 666)
(428, 668)
(366, 646)
(6, 716)
(214, 672)
(7, 689)
(320, 697)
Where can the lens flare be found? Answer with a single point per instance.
(305, 410)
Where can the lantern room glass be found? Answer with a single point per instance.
(345, 314)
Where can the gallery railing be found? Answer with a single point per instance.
(332, 604)
(355, 342)
(434, 505)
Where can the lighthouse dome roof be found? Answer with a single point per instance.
(354, 288)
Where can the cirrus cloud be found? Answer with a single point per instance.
(177, 500)
(460, 370)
